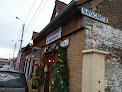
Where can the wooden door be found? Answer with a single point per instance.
(47, 80)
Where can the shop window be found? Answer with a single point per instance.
(25, 65)
(31, 67)
(26, 72)
(29, 62)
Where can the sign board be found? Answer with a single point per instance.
(53, 36)
(94, 15)
(63, 44)
(37, 48)
(35, 58)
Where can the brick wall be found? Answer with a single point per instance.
(96, 2)
(110, 9)
(72, 24)
(104, 37)
(74, 57)
(22, 61)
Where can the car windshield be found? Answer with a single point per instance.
(11, 79)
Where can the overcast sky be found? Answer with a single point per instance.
(35, 14)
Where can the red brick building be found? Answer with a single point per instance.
(4, 62)
(79, 30)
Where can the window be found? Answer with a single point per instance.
(56, 13)
(26, 72)
(29, 62)
(31, 67)
(25, 65)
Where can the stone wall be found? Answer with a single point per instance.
(104, 37)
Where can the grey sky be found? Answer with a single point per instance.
(10, 27)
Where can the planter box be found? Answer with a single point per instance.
(34, 90)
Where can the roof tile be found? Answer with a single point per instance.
(59, 6)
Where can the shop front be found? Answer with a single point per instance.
(53, 66)
(62, 42)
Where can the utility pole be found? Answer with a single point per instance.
(9, 56)
(20, 50)
(14, 49)
(23, 27)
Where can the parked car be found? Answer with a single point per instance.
(12, 81)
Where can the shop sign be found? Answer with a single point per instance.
(63, 44)
(94, 15)
(36, 48)
(35, 58)
(53, 36)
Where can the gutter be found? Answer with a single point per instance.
(56, 19)
(71, 5)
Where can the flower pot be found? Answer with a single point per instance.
(34, 90)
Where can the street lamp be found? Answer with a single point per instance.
(19, 19)
(23, 27)
(20, 50)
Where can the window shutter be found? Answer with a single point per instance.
(26, 73)
(31, 67)
(25, 65)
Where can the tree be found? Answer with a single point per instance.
(60, 75)
(39, 74)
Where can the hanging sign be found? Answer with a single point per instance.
(35, 58)
(31, 43)
(53, 36)
(94, 15)
(63, 44)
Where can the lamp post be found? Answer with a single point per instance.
(23, 27)
(20, 50)
(14, 50)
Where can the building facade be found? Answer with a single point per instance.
(79, 26)
(4, 62)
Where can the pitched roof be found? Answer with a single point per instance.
(34, 34)
(68, 8)
(59, 6)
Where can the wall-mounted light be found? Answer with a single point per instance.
(31, 43)
(49, 61)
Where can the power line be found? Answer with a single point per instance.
(34, 1)
(37, 15)
(34, 15)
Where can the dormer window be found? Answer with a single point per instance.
(56, 13)
(59, 6)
